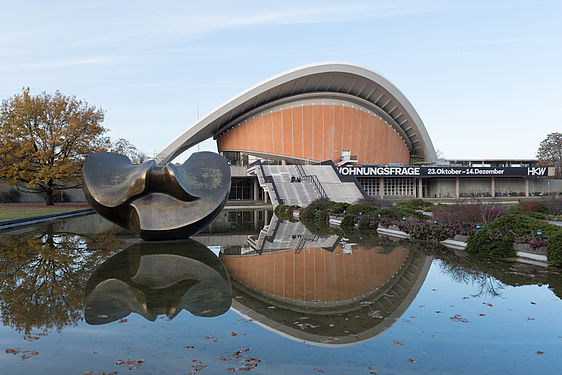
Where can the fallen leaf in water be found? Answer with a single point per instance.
(488, 304)
(189, 347)
(133, 365)
(317, 370)
(421, 306)
(482, 314)
(465, 297)
(458, 318)
(372, 370)
(234, 334)
(530, 318)
(12, 351)
(197, 366)
(438, 312)
(435, 290)
(539, 352)
(532, 303)
(28, 354)
(434, 336)
(31, 338)
(411, 360)
(121, 321)
(397, 343)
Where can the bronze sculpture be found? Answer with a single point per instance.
(158, 202)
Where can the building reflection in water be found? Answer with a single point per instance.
(154, 278)
(319, 290)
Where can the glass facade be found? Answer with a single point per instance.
(241, 188)
(393, 187)
(371, 185)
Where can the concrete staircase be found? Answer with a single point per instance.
(336, 190)
(276, 180)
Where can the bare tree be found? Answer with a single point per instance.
(550, 152)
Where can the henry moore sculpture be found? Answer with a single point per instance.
(158, 202)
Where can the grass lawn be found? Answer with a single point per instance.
(17, 213)
(9, 211)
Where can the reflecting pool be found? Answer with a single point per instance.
(254, 293)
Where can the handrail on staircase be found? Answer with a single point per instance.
(312, 179)
(269, 179)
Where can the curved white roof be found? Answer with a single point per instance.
(335, 79)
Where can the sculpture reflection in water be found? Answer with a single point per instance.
(157, 202)
(154, 278)
(323, 291)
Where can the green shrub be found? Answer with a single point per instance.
(284, 212)
(10, 196)
(360, 209)
(314, 216)
(368, 221)
(530, 209)
(554, 249)
(522, 224)
(348, 221)
(494, 243)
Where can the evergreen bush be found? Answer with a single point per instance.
(491, 242)
(554, 249)
(348, 221)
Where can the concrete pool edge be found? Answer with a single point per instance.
(14, 223)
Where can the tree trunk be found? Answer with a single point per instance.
(49, 193)
(49, 198)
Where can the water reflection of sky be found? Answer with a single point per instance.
(521, 321)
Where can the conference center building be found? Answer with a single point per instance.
(343, 132)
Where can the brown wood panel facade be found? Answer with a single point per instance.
(317, 133)
(315, 274)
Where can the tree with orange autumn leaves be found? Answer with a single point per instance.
(42, 273)
(44, 140)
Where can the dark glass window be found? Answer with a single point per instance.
(241, 189)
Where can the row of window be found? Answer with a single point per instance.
(394, 187)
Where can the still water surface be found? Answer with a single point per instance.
(256, 294)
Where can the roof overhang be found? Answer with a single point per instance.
(340, 79)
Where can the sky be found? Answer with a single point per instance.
(484, 76)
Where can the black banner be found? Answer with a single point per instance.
(409, 171)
